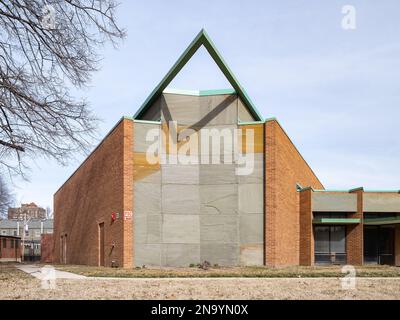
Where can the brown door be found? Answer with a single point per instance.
(101, 244)
(65, 250)
(62, 250)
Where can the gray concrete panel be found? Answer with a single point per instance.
(146, 198)
(181, 228)
(147, 254)
(218, 228)
(219, 253)
(219, 199)
(251, 198)
(334, 202)
(180, 174)
(180, 255)
(243, 113)
(153, 227)
(140, 131)
(257, 175)
(381, 202)
(180, 199)
(217, 174)
(221, 109)
(252, 255)
(183, 109)
(251, 228)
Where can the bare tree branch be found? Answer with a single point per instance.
(46, 49)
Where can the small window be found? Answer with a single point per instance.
(4, 243)
(12, 243)
(15, 233)
(3, 232)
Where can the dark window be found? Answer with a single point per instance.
(4, 243)
(330, 244)
(12, 243)
(321, 215)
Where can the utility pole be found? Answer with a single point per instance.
(23, 236)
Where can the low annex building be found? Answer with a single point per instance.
(199, 176)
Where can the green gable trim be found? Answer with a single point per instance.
(146, 121)
(382, 221)
(244, 123)
(199, 93)
(201, 39)
(216, 92)
(336, 221)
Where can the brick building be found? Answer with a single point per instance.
(32, 235)
(10, 249)
(28, 210)
(243, 196)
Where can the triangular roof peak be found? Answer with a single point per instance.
(201, 39)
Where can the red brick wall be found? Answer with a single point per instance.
(306, 229)
(355, 234)
(46, 246)
(100, 186)
(7, 253)
(284, 167)
(397, 246)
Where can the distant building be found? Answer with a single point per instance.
(30, 210)
(32, 237)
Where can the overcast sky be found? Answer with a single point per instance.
(335, 91)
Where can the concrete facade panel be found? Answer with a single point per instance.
(251, 255)
(218, 199)
(218, 228)
(330, 202)
(180, 199)
(181, 228)
(383, 202)
(180, 174)
(251, 198)
(220, 253)
(147, 198)
(180, 255)
(251, 229)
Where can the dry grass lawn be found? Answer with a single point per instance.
(15, 284)
(242, 272)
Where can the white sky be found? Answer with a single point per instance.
(335, 91)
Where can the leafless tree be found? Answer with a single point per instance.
(47, 49)
(6, 198)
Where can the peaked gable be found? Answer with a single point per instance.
(201, 39)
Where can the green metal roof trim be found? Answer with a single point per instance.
(201, 39)
(199, 93)
(336, 221)
(382, 221)
(365, 191)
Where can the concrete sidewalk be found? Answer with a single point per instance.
(41, 273)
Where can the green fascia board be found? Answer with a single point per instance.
(146, 121)
(199, 93)
(382, 221)
(245, 123)
(201, 39)
(336, 221)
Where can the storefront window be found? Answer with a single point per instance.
(330, 244)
